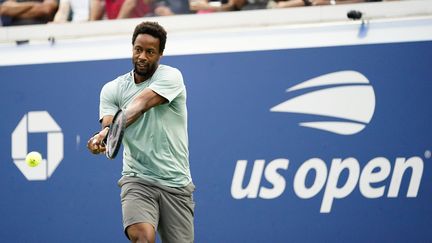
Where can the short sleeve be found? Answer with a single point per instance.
(168, 84)
(108, 100)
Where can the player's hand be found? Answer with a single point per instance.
(95, 144)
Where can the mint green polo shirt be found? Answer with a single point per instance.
(155, 147)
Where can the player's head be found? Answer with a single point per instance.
(153, 29)
(148, 43)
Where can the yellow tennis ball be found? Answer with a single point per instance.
(33, 159)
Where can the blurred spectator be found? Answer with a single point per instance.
(209, 6)
(26, 12)
(299, 3)
(73, 10)
(330, 2)
(170, 7)
(118, 9)
(288, 3)
(254, 4)
(4, 20)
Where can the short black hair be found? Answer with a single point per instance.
(153, 29)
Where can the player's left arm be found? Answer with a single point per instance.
(166, 88)
(146, 100)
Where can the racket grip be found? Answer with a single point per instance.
(104, 141)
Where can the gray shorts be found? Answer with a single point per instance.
(170, 210)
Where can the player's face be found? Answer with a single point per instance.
(146, 55)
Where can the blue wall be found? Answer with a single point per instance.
(229, 101)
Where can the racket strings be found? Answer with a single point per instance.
(115, 134)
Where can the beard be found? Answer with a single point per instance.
(145, 71)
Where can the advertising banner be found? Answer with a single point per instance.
(324, 144)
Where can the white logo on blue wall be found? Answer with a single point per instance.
(37, 122)
(345, 99)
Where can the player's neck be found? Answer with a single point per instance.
(142, 78)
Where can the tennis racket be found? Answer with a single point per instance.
(115, 134)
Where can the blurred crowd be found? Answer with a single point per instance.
(27, 12)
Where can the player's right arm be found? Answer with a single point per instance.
(95, 144)
(107, 108)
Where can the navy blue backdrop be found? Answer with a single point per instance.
(229, 101)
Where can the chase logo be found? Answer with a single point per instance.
(344, 102)
(37, 122)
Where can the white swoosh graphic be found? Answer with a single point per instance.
(352, 100)
(355, 103)
(341, 77)
(342, 128)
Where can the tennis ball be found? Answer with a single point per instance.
(33, 159)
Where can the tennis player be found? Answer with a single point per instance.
(156, 184)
